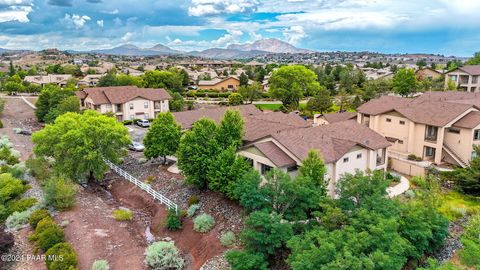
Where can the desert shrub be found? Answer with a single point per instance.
(66, 252)
(163, 256)
(39, 168)
(1, 124)
(17, 170)
(6, 241)
(193, 200)
(100, 265)
(17, 219)
(10, 187)
(21, 205)
(60, 193)
(37, 216)
(419, 181)
(42, 225)
(228, 239)
(173, 221)
(122, 214)
(203, 223)
(243, 260)
(469, 255)
(50, 237)
(192, 209)
(150, 179)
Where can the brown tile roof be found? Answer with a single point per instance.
(333, 140)
(214, 81)
(275, 154)
(471, 120)
(338, 117)
(433, 113)
(383, 104)
(471, 69)
(452, 96)
(123, 94)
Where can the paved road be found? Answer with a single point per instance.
(137, 133)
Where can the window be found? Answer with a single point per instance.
(147, 116)
(400, 142)
(431, 133)
(359, 156)
(249, 161)
(292, 168)
(345, 160)
(402, 122)
(429, 151)
(474, 155)
(131, 106)
(145, 105)
(454, 130)
(389, 120)
(264, 168)
(230, 86)
(476, 134)
(108, 107)
(453, 78)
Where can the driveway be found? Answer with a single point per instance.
(137, 133)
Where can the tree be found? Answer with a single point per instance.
(163, 137)
(467, 179)
(13, 87)
(475, 60)
(242, 260)
(11, 69)
(177, 103)
(343, 100)
(79, 143)
(169, 80)
(250, 92)
(314, 168)
(243, 79)
(230, 131)
(196, 150)
(68, 104)
(265, 232)
(322, 102)
(235, 99)
(405, 82)
(421, 63)
(291, 83)
(108, 80)
(50, 98)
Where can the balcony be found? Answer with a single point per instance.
(118, 109)
(431, 133)
(157, 106)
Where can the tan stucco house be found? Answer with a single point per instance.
(465, 78)
(126, 102)
(57, 79)
(279, 140)
(437, 127)
(230, 84)
(90, 80)
(330, 118)
(428, 73)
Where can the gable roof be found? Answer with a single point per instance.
(333, 141)
(122, 94)
(215, 81)
(470, 69)
(383, 104)
(187, 118)
(338, 117)
(471, 120)
(275, 154)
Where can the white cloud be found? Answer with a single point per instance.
(76, 20)
(212, 7)
(100, 23)
(294, 34)
(232, 36)
(111, 12)
(15, 10)
(127, 37)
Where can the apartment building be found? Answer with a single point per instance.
(465, 78)
(437, 127)
(42, 80)
(125, 102)
(278, 140)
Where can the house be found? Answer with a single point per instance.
(278, 140)
(429, 73)
(91, 80)
(126, 102)
(465, 78)
(436, 128)
(231, 83)
(57, 79)
(346, 147)
(330, 118)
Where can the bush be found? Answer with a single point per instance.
(414, 157)
(37, 216)
(228, 239)
(21, 205)
(17, 219)
(163, 256)
(469, 255)
(50, 237)
(173, 221)
(235, 99)
(192, 209)
(100, 265)
(127, 122)
(203, 223)
(122, 214)
(150, 179)
(6, 241)
(243, 260)
(66, 252)
(39, 168)
(60, 193)
(42, 225)
(193, 200)
(1, 124)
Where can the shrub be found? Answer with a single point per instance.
(193, 200)
(192, 209)
(414, 157)
(163, 256)
(42, 225)
(50, 237)
(173, 221)
(39, 168)
(100, 265)
(60, 193)
(243, 260)
(469, 255)
(17, 219)
(37, 216)
(150, 179)
(127, 122)
(122, 214)
(235, 99)
(1, 124)
(203, 223)
(10, 187)
(21, 205)
(66, 252)
(228, 239)
(6, 241)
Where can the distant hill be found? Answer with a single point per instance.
(130, 49)
(219, 53)
(271, 45)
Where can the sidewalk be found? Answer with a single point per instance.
(403, 186)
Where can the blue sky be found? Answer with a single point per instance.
(433, 26)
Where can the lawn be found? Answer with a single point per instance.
(455, 205)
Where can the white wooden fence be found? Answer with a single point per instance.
(156, 195)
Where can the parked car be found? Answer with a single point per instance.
(143, 123)
(136, 146)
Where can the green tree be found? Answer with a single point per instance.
(196, 150)
(68, 104)
(163, 137)
(322, 102)
(79, 142)
(169, 80)
(243, 260)
(250, 92)
(290, 83)
(13, 87)
(230, 131)
(235, 99)
(11, 69)
(50, 97)
(243, 79)
(177, 103)
(314, 168)
(467, 179)
(475, 60)
(108, 80)
(405, 82)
